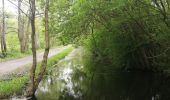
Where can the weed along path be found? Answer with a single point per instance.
(19, 65)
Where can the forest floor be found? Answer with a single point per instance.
(20, 65)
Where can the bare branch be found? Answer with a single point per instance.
(19, 8)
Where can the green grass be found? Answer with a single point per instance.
(14, 54)
(53, 60)
(13, 47)
(10, 87)
(15, 86)
(11, 55)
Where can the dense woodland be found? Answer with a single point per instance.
(124, 34)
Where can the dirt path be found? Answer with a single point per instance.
(9, 67)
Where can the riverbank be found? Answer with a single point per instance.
(16, 85)
(70, 79)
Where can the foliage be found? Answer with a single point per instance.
(128, 34)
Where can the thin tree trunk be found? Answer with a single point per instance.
(31, 88)
(20, 29)
(47, 47)
(35, 82)
(37, 40)
(27, 35)
(3, 40)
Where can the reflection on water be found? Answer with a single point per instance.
(59, 84)
(68, 81)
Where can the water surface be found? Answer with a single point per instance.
(68, 80)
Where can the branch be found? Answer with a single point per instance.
(19, 8)
(160, 54)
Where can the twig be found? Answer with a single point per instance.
(160, 54)
(19, 8)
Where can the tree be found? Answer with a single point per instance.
(47, 47)
(20, 28)
(3, 40)
(35, 81)
(27, 32)
(163, 8)
(137, 41)
(31, 87)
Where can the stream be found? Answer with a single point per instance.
(68, 80)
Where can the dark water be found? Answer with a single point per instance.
(69, 81)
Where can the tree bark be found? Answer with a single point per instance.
(20, 29)
(31, 87)
(37, 40)
(3, 40)
(27, 32)
(47, 47)
(35, 82)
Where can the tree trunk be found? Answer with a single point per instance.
(35, 82)
(20, 29)
(37, 40)
(3, 40)
(31, 88)
(27, 35)
(45, 57)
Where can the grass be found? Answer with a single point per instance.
(53, 60)
(11, 55)
(13, 47)
(15, 86)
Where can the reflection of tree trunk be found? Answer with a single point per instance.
(20, 29)
(3, 40)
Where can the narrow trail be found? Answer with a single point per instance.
(10, 66)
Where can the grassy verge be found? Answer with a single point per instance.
(15, 86)
(11, 55)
